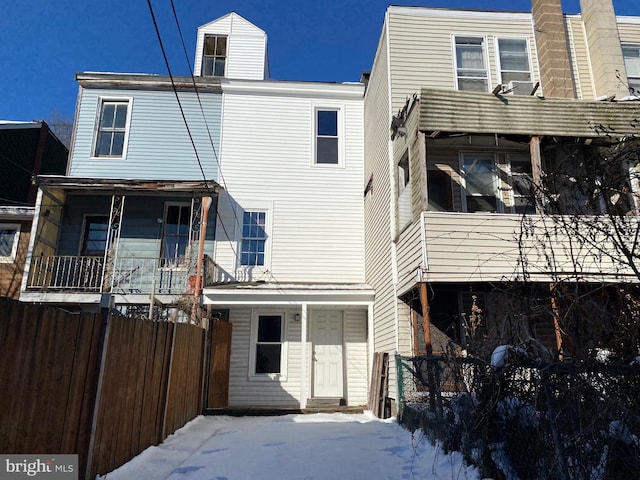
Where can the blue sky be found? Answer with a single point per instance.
(44, 43)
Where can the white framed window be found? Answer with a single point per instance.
(268, 353)
(404, 177)
(522, 194)
(471, 63)
(514, 64)
(631, 55)
(214, 55)
(112, 128)
(176, 228)
(480, 182)
(9, 239)
(253, 246)
(327, 126)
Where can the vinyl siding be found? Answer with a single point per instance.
(315, 212)
(580, 63)
(246, 47)
(355, 355)
(378, 220)
(159, 147)
(245, 392)
(421, 48)
(474, 247)
(409, 257)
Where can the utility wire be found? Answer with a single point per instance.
(184, 118)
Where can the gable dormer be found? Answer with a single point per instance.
(232, 47)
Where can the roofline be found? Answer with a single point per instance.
(109, 184)
(16, 213)
(353, 90)
(148, 81)
(457, 12)
(15, 125)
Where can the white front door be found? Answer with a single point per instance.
(327, 354)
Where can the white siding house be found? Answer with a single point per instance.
(289, 243)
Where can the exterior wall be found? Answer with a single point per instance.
(580, 62)
(315, 221)
(11, 272)
(378, 214)
(421, 49)
(244, 391)
(474, 247)
(246, 47)
(159, 147)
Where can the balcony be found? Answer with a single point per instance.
(491, 247)
(129, 276)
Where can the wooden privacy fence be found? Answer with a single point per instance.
(71, 383)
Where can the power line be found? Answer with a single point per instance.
(184, 118)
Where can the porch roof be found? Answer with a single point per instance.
(127, 185)
(472, 112)
(266, 293)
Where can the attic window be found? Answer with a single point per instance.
(214, 56)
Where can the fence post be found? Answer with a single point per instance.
(105, 314)
(173, 327)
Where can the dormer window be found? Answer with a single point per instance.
(214, 55)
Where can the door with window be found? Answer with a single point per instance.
(175, 233)
(327, 354)
(480, 176)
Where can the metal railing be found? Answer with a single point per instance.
(131, 275)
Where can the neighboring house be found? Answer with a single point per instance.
(460, 90)
(26, 149)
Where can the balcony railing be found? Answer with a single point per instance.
(130, 275)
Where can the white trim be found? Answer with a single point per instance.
(254, 206)
(289, 295)
(267, 377)
(485, 58)
(304, 347)
(16, 240)
(496, 47)
(328, 107)
(451, 13)
(335, 91)
(96, 127)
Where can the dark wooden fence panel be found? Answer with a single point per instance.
(218, 394)
(184, 400)
(48, 373)
(53, 365)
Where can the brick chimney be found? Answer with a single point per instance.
(603, 44)
(553, 54)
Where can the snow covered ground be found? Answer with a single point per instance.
(305, 447)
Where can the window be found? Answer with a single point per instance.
(522, 183)
(471, 70)
(9, 238)
(513, 56)
(254, 239)
(480, 182)
(631, 54)
(111, 134)
(327, 141)
(94, 240)
(403, 172)
(439, 191)
(214, 56)
(175, 232)
(268, 347)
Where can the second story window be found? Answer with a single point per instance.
(513, 56)
(254, 239)
(631, 54)
(327, 140)
(175, 231)
(522, 183)
(9, 236)
(471, 69)
(214, 56)
(111, 135)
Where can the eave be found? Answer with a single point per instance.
(147, 82)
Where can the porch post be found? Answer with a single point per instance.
(426, 321)
(304, 380)
(113, 239)
(536, 170)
